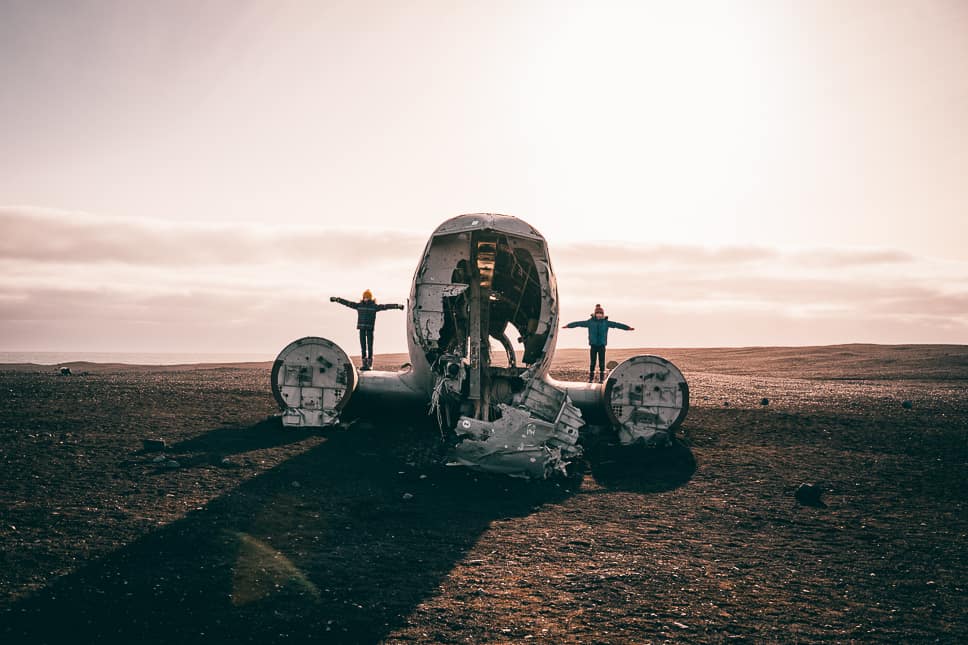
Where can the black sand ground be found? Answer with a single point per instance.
(354, 535)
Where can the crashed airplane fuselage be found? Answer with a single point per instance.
(484, 277)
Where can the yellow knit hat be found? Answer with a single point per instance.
(368, 295)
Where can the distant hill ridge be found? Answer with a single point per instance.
(853, 361)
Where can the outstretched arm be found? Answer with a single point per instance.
(618, 325)
(345, 303)
(388, 306)
(577, 323)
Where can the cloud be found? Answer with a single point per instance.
(630, 255)
(851, 258)
(202, 320)
(751, 287)
(755, 296)
(79, 281)
(926, 305)
(43, 235)
(676, 256)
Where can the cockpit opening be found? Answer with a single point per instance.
(491, 291)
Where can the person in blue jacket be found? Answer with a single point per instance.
(598, 326)
(366, 310)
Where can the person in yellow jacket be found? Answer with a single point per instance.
(366, 310)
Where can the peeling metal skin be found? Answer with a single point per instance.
(484, 278)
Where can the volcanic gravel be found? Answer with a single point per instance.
(242, 531)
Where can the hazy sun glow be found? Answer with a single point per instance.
(716, 173)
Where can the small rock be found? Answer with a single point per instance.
(65, 371)
(296, 485)
(172, 464)
(423, 477)
(159, 459)
(764, 401)
(809, 495)
(226, 461)
(681, 626)
(907, 405)
(725, 404)
(152, 445)
(407, 496)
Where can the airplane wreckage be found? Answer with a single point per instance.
(480, 274)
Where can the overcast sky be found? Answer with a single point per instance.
(201, 176)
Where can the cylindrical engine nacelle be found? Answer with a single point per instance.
(646, 398)
(312, 381)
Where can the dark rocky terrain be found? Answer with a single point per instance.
(240, 531)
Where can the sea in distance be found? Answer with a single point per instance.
(131, 358)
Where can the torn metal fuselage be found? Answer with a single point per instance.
(482, 280)
(482, 326)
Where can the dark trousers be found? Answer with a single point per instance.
(599, 351)
(366, 343)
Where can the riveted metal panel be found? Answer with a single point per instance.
(646, 399)
(312, 380)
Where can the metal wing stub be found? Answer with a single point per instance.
(646, 398)
(312, 381)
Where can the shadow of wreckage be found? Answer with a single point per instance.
(343, 558)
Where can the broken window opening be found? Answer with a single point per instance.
(454, 331)
(525, 292)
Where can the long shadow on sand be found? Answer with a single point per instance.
(233, 440)
(339, 544)
(640, 469)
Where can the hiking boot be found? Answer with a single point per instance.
(591, 377)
